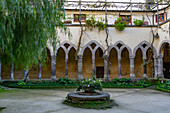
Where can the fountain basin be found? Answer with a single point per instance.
(82, 96)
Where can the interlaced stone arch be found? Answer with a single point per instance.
(66, 49)
(119, 49)
(144, 46)
(119, 46)
(88, 45)
(66, 46)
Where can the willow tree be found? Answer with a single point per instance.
(25, 28)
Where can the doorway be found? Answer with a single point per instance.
(100, 72)
(166, 70)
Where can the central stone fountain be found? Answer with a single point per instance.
(89, 97)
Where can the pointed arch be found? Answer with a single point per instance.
(162, 45)
(66, 49)
(144, 46)
(92, 50)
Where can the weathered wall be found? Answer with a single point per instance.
(138, 63)
(125, 64)
(87, 64)
(46, 69)
(72, 64)
(60, 63)
(113, 64)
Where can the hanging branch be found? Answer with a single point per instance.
(152, 49)
(106, 39)
(79, 42)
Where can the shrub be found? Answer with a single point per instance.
(21, 83)
(101, 25)
(92, 23)
(64, 81)
(119, 24)
(90, 85)
(143, 83)
(138, 22)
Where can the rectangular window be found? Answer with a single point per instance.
(126, 18)
(161, 17)
(77, 17)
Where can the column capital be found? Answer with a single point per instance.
(160, 56)
(80, 56)
(132, 57)
(144, 58)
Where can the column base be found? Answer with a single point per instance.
(39, 76)
(80, 77)
(145, 76)
(106, 77)
(53, 78)
(12, 76)
(132, 76)
(160, 76)
(120, 76)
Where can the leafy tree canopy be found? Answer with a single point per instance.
(25, 28)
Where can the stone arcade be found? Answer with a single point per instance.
(127, 50)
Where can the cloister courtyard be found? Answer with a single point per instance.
(51, 101)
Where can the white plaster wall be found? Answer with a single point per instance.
(131, 36)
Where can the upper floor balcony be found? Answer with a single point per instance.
(152, 13)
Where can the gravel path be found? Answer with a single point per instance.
(50, 101)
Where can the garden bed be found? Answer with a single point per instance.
(164, 88)
(68, 83)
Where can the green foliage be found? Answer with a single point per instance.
(41, 84)
(25, 28)
(90, 84)
(163, 87)
(119, 25)
(92, 23)
(138, 22)
(143, 83)
(65, 81)
(21, 83)
(126, 83)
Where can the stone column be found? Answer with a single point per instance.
(39, 70)
(160, 66)
(66, 65)
(80, 67)
(145, 68)
(12, 71)
(119, 67)
(132, 68)
(156, 67)
(93, 64)
(106, 68)
(0, 69)
(53, 67)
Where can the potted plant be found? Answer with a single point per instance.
(138, 22)
(119, 24)
(90, 23)
(101, 25)
(90, 85)
(68, 19)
